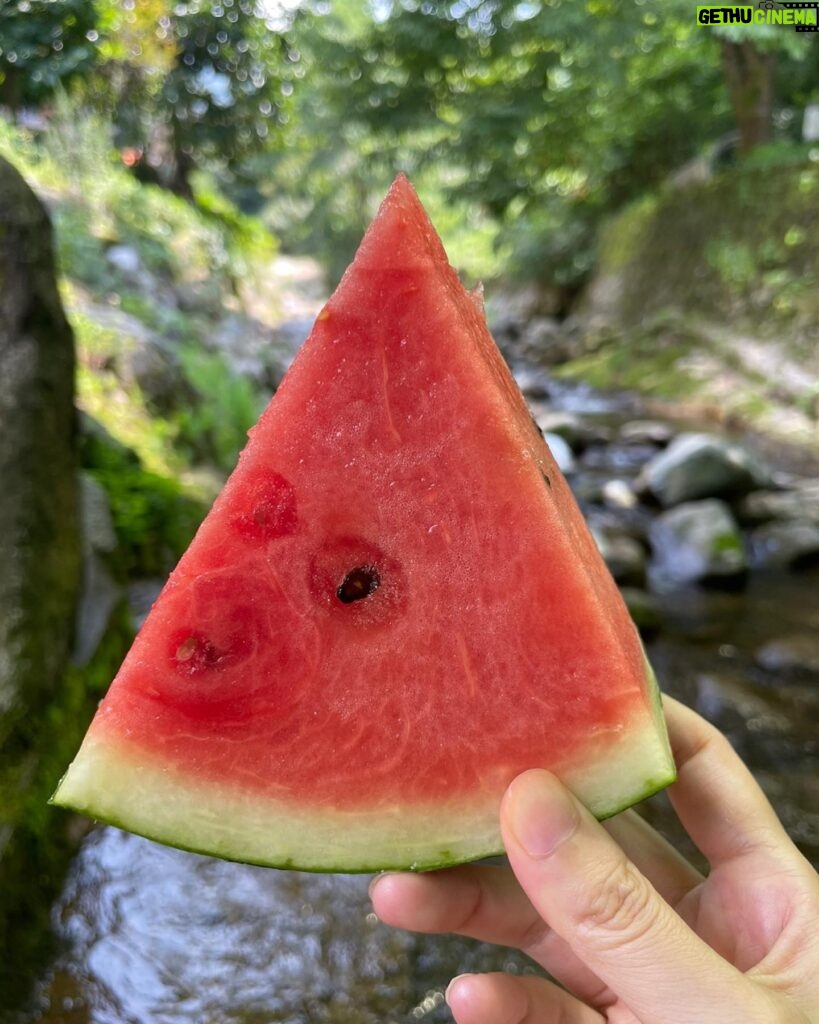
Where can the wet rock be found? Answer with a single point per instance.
(698, 466)
(789, 544)
(641, 432)
(577, 433)
(790, 656)
(697, 542)
(561, 452)
(533, 383)
(799, 502)
(624, 556)
(618, 494)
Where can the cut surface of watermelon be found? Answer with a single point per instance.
(393, 608)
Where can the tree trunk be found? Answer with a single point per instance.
(749, 76)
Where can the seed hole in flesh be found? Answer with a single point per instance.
(192, 654)
(358, 584)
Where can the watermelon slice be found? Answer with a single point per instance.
(393, 608)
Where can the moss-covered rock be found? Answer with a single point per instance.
(40, 555)
(743, 244)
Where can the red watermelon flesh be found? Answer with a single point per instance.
(392, 609)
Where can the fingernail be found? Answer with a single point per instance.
(455, 981)
(540, 813)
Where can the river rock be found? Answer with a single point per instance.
(789, 544)
(790, 656)
(533, 383)
(618, 494)
(577, 433)
(697, 542)
(624, 556)
(642, 432)
(561, 452)
(799, 502)
(698, 466)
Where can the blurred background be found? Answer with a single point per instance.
(181, 186)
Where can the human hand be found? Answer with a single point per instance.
(631, 931)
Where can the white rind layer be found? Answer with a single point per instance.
(123, 785)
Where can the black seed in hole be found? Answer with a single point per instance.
(357, 584)
(546, 479)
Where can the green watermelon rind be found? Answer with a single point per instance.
(116, 786)
(444, 861)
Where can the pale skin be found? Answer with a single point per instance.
(630, 931)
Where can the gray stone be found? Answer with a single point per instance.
(698, 466)
(787, 544)
(100, 591)
(798, 502)
(646, 432)
(574, 431)
(618, 494)
(97, 525)
(100, 595)
(39, 507)
(141, 596)
(624, 556)
(41, 563)
(790, 656)
(126, 260)
(533, 383)
(697, 542)
(561, 452)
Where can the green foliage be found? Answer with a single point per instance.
(530, 107)
(42, 45)
(249, 241)
(749, 238)
(154, 516)
(215, 428)
(193, 84)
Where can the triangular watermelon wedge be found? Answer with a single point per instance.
(392, 609)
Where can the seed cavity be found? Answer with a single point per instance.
(358, 584)
(193, 653)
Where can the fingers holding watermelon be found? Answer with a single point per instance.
(503, 999)
(617, 916)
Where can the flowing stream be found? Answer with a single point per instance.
(151, 935)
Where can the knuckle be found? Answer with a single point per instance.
(621, 909)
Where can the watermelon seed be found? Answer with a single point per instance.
(195, 654)
(546, 479)
(357, 584)
(187, 649)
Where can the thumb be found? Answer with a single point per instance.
(615, 922)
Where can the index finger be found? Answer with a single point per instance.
(717, 799)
